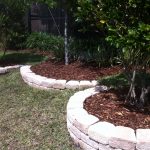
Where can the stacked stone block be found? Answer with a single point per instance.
(90, 133)
(40, 82)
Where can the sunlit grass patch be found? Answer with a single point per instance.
(31, 118)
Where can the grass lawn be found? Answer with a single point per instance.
(21, 57)
(32, 119)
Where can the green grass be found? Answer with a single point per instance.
(120, 80)
(32, 119)
(114, 81)
(22, 57)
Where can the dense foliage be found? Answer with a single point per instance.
(46, 42)
(129, 30)
(127, 25)
(12, 29)
(87, 16)
(12, 21)
(92, 50)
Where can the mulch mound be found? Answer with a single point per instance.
(73, 71)
(109, 106)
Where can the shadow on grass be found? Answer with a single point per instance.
(120, 80)
(21, 58)
(114, 81)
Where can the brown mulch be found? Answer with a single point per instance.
(73, 71)
(109, 106)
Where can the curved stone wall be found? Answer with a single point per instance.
(4, 70)
(90, 133)
(40, 82)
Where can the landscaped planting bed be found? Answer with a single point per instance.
(41, 82)
(89, 132)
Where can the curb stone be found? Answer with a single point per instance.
(99, 135)
(47, 83)
(6, 69)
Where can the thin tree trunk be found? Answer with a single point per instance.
(4, 46)
(144, 90)
(4, 52)
(131, 97)
(66, 39)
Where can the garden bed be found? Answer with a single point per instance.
(90, 132)
(55, 75)
(109, 106)
(73, 71)
(42, 82)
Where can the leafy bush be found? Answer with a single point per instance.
(92, 50)
(46, 42)
(12, 27)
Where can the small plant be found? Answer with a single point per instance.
(46, 42)
(92, 50)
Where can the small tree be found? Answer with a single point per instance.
(129, 31)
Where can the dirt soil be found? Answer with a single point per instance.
(73, 71)
(109, 106)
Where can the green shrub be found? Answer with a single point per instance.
(92, 50)
(46, 42)
(12, 26)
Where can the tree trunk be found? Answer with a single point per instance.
(4, 52)
(145, 94)
(4, 45)
(131, 96)
(66, 39)
(138, 100)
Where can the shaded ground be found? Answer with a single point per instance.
(20, 57)
(109, 106)
(73, 71)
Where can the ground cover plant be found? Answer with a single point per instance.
(31, 118)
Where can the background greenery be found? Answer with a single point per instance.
(46, 42)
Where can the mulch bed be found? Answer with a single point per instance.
(109, 106)
(73, 71)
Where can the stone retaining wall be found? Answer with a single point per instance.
(88, 132)
(4, 70)
(40, 82)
